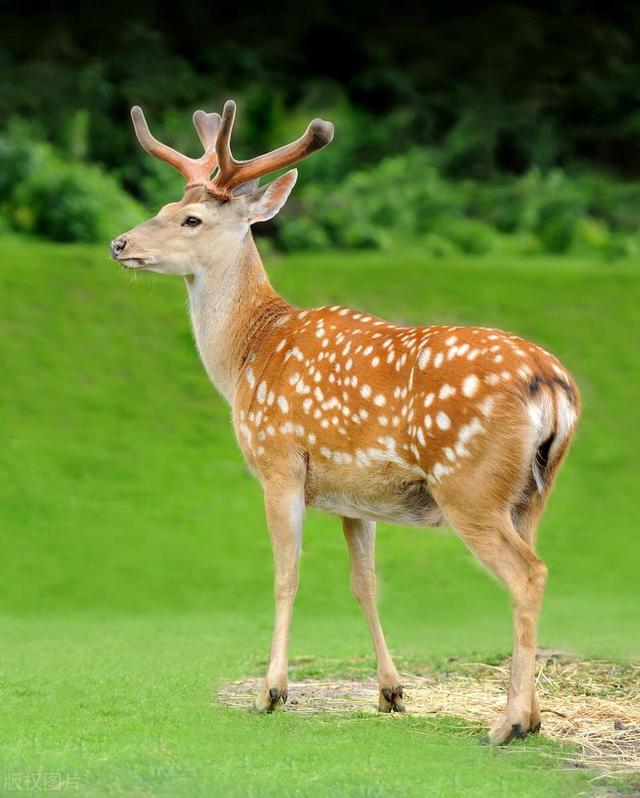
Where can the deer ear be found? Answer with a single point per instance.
(264, 203)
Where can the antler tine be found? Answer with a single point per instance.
(232, 173)
(196, 171)
(155, 147)
(226, 161)
(207, 126)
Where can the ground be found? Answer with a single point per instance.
(135, 569)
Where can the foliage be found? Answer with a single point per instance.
(61, 200)
(536, 138)
(402, 198)
(406, 198)
(500, 89)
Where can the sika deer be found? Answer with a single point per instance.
(368, 420)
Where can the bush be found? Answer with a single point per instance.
(505, 205)
(556, 227)
(361, 234)
(302, 233)
(594, 237)
(437, 246)
(470, 236)
(59, 199)
(402, 198)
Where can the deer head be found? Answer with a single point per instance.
(217, 210)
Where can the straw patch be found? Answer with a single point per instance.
(592, 705)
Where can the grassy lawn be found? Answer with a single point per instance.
(135, 567)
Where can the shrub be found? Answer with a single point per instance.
(60, 199)
(594, 237)
(437, 246)
(302, 233)
(401, 198)
(470, 236)
(360, 234)
(556, 227)
(505, 205)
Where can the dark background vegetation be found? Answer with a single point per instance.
(455, 124)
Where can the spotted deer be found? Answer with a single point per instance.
(370, 421)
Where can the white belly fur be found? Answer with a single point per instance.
(388, 493)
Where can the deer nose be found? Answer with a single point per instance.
(118, 246)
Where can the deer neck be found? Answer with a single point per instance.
(227, 305)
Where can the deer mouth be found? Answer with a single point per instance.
(136, 262)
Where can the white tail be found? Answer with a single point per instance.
(368, 420)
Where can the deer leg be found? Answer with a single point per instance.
(500, 548)
(285, 516)
(526, 523)
(361, 541)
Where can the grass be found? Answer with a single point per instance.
(135, 569)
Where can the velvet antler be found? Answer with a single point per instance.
(215, 135)
(196, 171)
(232, 173)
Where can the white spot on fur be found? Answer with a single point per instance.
(423, 358)
(443, 421)
(486, 405)
(283, 404)
(470, 385)
(446, 391)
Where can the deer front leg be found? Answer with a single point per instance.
(284, 504)
(361, 541)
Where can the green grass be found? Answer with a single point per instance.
(135, 568)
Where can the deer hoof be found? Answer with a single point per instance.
(517, 731)
(505, 731)
(268, 699)
(390, 699)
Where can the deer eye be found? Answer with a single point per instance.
(191, 221)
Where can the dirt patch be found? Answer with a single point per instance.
(592, 705)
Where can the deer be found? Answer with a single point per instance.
(365, 419)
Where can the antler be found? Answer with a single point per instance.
(215, 135)
(196, 171)
(232, 173)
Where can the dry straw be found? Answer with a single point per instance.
(593, 706)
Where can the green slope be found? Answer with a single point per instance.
(135, 570)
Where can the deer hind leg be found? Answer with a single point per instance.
(498, 545)
(361, 540)
(526, 519)
(284, 503)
